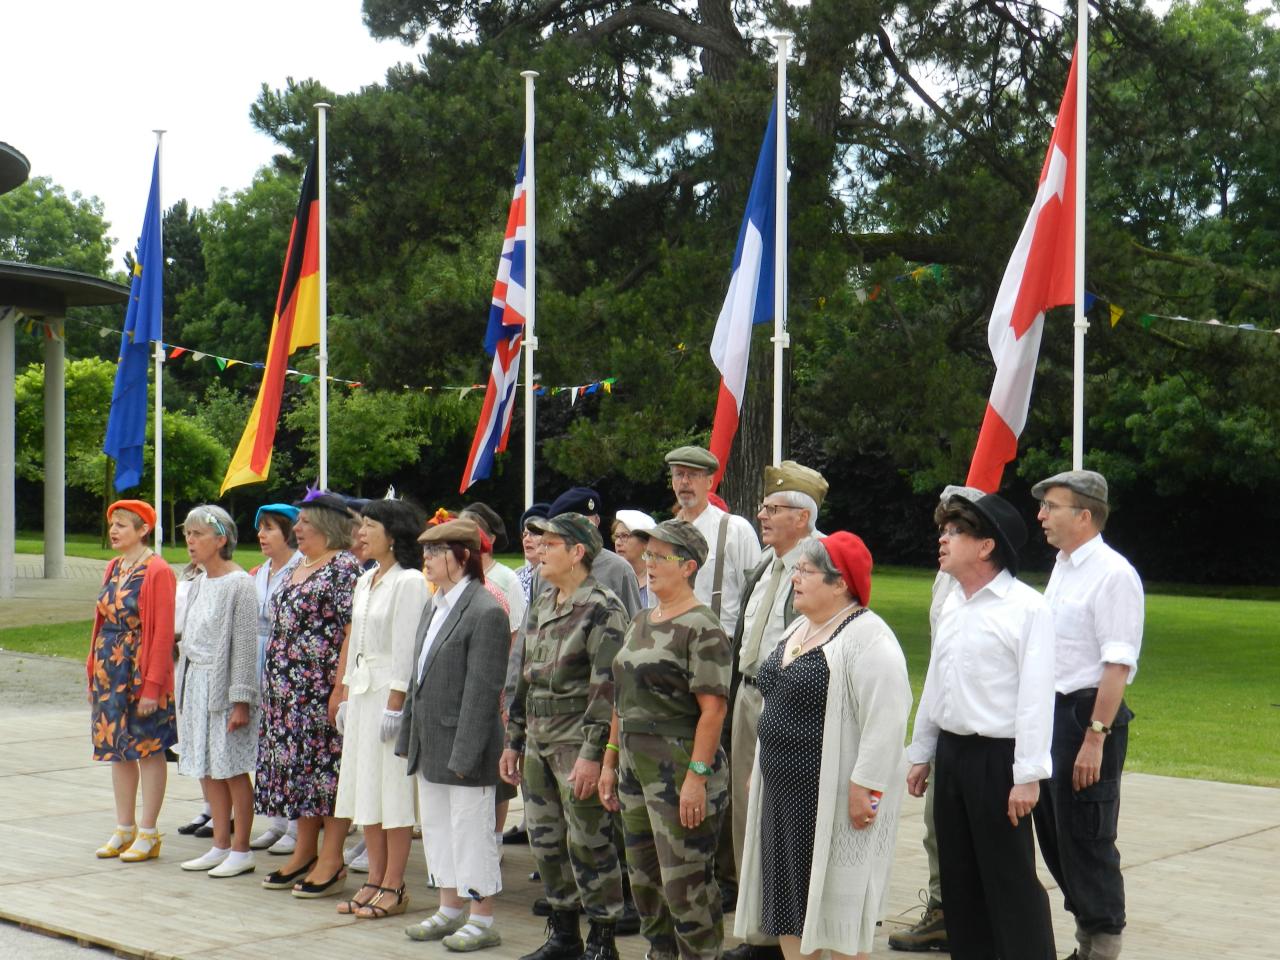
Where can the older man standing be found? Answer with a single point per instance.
(1097, 603)
(734, 547)
(788, 513)
(985, 721)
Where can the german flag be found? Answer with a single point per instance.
(296, 324)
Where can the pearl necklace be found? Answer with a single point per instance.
(311, 563)
(813, 631)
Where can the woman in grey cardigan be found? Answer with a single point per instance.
(218, 689)
(452, 736)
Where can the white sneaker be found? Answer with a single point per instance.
(265, 839)
(283, 847)
(360, 864)
(233, 867)
(207, 861)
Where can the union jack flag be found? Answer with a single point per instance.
(502, 340)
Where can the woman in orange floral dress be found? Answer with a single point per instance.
(130, 672)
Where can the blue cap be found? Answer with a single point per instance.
(281, 508)
(582, 500)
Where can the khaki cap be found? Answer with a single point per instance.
(678, 533)
(790, 475)
(697, 457)
(462, 530)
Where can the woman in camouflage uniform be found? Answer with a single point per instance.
(663, 761)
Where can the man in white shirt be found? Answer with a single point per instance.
(1097, 602)
(985, 720)
(734, 547)
(788, 514)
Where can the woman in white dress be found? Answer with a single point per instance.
(829, 773)
(218, 689)
(374, 788)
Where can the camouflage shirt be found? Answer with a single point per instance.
(565, 691)
(662, 667)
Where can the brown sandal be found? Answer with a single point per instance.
(349, 907)
(373, 910)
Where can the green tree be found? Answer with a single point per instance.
(41, 223)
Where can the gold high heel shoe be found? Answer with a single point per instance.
(120, 839)
(146, 846)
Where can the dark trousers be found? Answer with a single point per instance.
(996, 908)
(1077, 830)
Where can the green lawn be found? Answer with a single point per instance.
(1206, 696)
(89, 545)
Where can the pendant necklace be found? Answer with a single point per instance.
(813, 631)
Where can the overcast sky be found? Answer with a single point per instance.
(87, 82)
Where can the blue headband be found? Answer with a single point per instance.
(281, 508)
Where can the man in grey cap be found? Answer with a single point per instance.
(1097, 602)
(734, 547)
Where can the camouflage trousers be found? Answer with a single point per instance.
(571, 840)
(672, 868)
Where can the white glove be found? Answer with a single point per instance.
(340, 720)
(391, 720)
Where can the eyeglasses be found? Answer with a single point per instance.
(688, 474)
(803, 571)
(544, 545)
(436, 549)
(771, 509)
(651, 557)
(1048, 506)
(621, 537)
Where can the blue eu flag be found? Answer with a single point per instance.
(143, 322)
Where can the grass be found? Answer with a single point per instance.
(89, 545)
(1206, 699)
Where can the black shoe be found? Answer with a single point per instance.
(628, 924)
(564, 938)
(600, 945)
(541, 907)
(200, 820)
(205, 830)
(516, 835)
(535, 877)
(754, 951)
(928, 933)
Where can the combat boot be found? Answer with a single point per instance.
(928, 933)
(600, 945)
(564, 938)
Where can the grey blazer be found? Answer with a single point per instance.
(458, 694)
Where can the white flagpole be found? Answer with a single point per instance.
(1081, 324)
(530, 288)
(323, 111)
(781, 339)
(158, 540)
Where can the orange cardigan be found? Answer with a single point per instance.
(155, 606)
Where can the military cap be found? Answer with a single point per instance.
(678, 533)
(697, 457)
(574, 527)
(535, 511)
(790, 475)
(1087, 483)
(582, 500)
(462, 530)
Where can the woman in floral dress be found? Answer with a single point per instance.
(130, 675)
(300, 746)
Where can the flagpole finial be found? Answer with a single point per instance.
(528, 73)
(322, 105)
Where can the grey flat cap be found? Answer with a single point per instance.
(696, 457)
(1087, 483)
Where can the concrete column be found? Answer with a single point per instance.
(55, 429)
(8, 449)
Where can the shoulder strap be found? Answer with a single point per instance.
(717, 583)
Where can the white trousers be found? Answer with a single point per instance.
(458, 838)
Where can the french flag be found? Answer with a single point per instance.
(502, 340)
(1040, 275)
(749, 300)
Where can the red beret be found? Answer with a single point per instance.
(140, 507)
(851, 557)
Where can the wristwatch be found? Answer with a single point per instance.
(700, 768)
(1099, 727)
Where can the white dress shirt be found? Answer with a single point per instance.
(1097, 603)
(991, 674)
(742, 552)
(444, 601)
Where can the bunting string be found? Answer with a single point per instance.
(54, 330)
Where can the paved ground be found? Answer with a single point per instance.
(37, 600)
